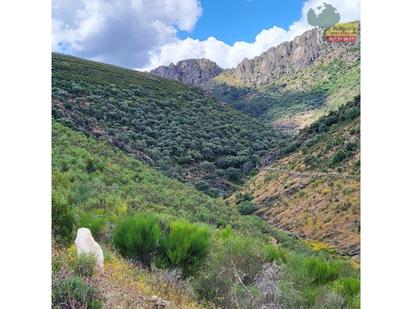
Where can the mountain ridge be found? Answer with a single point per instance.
(293, 84)
(193, 72)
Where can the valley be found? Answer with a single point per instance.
(239, 182)
(290, 85)
(176, 128)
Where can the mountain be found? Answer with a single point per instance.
(171, 126)
(194, 72)
(311, 185)
(293, 84)
(286, 58)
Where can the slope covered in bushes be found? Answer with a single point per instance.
(94, 185)
(186, 246)
(311, 185)
(178, 129)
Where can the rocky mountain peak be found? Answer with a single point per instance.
(285, 58)
(190, 71)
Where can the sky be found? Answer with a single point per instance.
(229, 25)
(144, 34)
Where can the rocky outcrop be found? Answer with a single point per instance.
(191, 71)
(288, 57)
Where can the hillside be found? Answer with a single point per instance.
(294, 84)
(103, 184)
(311, 186)
(177, 129)
(97, 186)
(290, 85)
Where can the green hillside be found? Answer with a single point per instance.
(103, 184)
(96, 185)
(311, 185)
(177, 129)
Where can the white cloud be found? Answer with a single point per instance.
(119, 31)
(143, 33)
(228, 56)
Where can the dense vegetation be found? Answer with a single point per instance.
(94, 185)
(310, 186)
(132, 153)
(328, 143)
(178, 129)
(227, 259)
(297, 99)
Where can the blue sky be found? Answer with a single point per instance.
(241, 20)
(145, 34)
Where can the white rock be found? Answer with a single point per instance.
(85, 244)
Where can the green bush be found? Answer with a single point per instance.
(85, 265)
(185, 246)
(320, 270)
(339, 156)
(96, 224)
(74, 292)
(240, 197)
(348, 287)
(274, 253)
(246, 208)
(138, 237)
(63, 218)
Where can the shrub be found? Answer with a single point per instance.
(234, 258)
(268, 292)
(107, 253)
(274, 253)
(138, 237)
(330, 300)
(85, 265)
(339, 156)
(74, 292)
(96, 223)
(185, 246)
(233, 174)
(320, 270)
(171, 282)
(202, 185)
(348, 287)
(246, 208)
(240, 197)
(63, 218)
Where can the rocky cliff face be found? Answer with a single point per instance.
(286, 58)
(191, 71)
